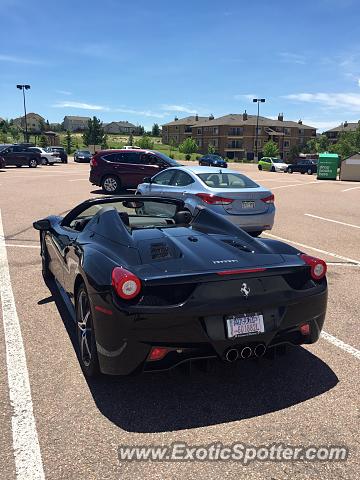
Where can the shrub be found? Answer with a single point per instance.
(187, 157)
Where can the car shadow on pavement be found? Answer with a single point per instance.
(178, 399)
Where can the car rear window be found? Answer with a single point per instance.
(226, 180)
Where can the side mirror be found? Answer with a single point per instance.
(42, 225)
(147, 180)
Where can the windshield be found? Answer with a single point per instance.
(84, 152)
(214, 157)
(227, 180)
(277, 160)
(167, 159)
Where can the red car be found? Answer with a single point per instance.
(114, 170)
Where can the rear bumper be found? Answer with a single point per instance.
(125, 339)
(94, 179)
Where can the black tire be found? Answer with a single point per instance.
(33, 163)
(44, 161)
(259, 167)
(256, 234)
(290, 170)
(273, 168)
(64, 161)
(111, 184)
(18, 166)
(309, 172)
(88, 356)
(46, 273)
(302, 173)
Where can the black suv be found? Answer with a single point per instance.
(61, 151)
(303, 166)
(19, 156)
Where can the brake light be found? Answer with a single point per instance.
(269, 199)
(93, 162)
(318, 266)
(214, 199)
(158, 353)
(305, 329)
(242, 270)
(126, 284)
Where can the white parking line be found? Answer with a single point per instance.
(79, 180)
(21, 246)
(335, 255)
(348, 189)
(340, 344)
(330, 220)
(28, 461)
(295, 185)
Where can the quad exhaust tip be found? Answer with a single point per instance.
(232, 355)
(246, 352)
(259, 350)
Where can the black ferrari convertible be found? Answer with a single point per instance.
(154, 286)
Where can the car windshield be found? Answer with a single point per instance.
(135, 214)
(214, 157)
(167, 159)
(277, 160)
(84, 152)
(226, 180)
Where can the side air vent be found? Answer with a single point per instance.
(238, 245)
(159, 251)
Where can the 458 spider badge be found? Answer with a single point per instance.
(245, 290)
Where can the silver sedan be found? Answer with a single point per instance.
(227, 192)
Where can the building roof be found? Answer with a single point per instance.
(30, 115)
(191, 120)
(345, 127)
(237, 119)
(70, 117)
(122, 124)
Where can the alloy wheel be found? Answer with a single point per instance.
(85, 329)
(110, 184)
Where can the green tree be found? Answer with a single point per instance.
(68, 142)
(270, 149)
(145, 142)
(188, 146)
(141, 130)
(322, 143)
(294, 152)
(15, 132)
(131, 139)
(155, 131)
(42, 126)
(43, 142)
(211, 148)
(94, 133)
(3, 137)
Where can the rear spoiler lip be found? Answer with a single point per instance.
(221, 275)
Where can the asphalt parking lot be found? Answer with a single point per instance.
(309, 397)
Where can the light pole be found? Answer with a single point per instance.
(258, 101)
(23, 88)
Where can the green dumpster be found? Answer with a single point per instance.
(327, 166)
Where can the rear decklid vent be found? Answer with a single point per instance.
(238, 245)
(159, 251)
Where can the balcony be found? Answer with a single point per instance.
(235, 132)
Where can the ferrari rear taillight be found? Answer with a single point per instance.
(126, 284)
(318, 267)
(269, 199)
(214, 199)
(158, 353)
(93, 162)
(305, 329)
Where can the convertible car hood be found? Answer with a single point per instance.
(183, 250)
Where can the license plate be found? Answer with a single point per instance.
(244, 324)
(248, 204)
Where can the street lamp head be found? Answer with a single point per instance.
(19, 87)
(255, 100)
(27, 87)
(262, 100)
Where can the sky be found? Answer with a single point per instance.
(149, 61)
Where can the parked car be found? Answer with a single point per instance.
(303, 166)
(131, 147)
(82, 156)
(47, 158)
(230, 194)
(61, 151)
(114, 170)
(272, 164)
(19, 156)
(212, 160)
(152, 291)
(2, 162)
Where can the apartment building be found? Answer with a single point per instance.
(120, 127)
(75, 124)
(234, 135)
(333, 133)
(34, 122)
(175, 132)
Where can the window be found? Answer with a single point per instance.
(163, 178)
(199, 142)
(148, 159)
(199, 131)
(227, 180)
(235, 144)
(114, 157)
(206, 129)
(181, 179)
(214, 142)
(216, 130)
(286, 143)
(287, 131)
(236, 131)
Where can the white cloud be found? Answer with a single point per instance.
(289, 57)
(245, 96)
(359, 82)
(14, 59)
(346, 101)
(81, 105)
(144, 113)
(179, 108)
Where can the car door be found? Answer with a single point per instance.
(10, 156)
(180, 185)
(160, 182)
(20, 154)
